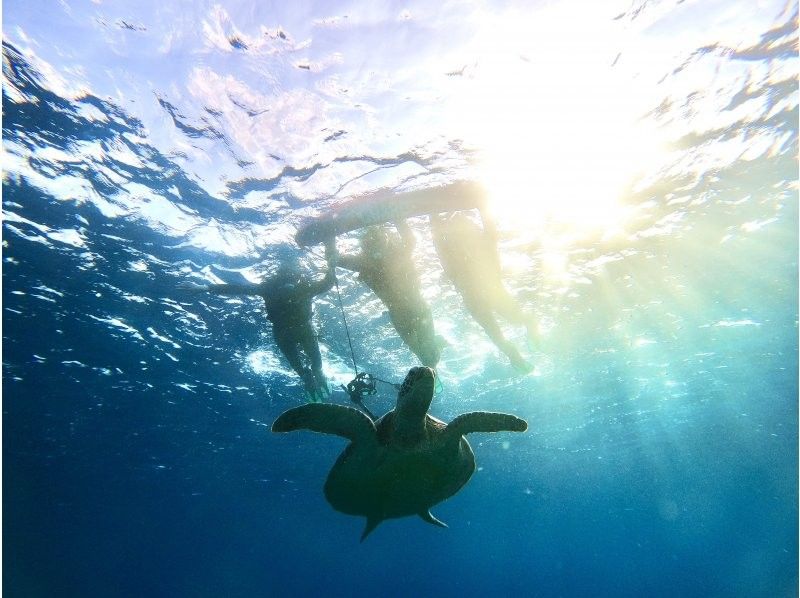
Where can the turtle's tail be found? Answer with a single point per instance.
(372, 523)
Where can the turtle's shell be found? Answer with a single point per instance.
(390, 478)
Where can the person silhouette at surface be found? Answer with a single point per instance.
(384, 263)
(468, 254)
(288, 297)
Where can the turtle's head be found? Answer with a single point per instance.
(416, 393)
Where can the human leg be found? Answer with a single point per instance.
(415, 327)
(510, 309)
(291, 350)
(311, 348)
(484, 316)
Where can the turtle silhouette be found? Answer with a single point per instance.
(404, 463)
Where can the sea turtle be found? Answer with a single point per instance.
(404, 463)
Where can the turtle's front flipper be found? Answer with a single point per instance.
(327, 419)
(482, 421)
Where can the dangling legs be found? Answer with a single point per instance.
(485, 318)
(291, 350)
(310, 346)
(415, 327)
(507, 306)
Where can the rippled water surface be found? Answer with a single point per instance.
(640, 161)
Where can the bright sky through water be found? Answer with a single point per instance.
(550, 99)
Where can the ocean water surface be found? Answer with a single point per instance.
(640, 160)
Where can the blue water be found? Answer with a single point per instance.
(643, 162)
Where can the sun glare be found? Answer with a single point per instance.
(556, 128)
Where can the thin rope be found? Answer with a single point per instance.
(396, 386)
(344, 319)
(350, 343)
(366, 410)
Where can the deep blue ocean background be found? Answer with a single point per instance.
(146, 146)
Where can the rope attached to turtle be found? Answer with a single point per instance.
(394, 385)
(344, 319)
(359, 387)
(363, 384)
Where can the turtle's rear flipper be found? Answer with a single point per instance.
(326, 419)
(372, 523)
(426, 516)
(483, 421)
